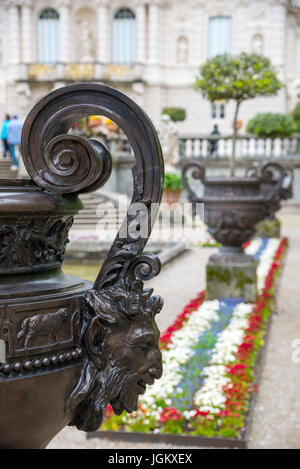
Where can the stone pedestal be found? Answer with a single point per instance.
(268, 229)
(231, 274)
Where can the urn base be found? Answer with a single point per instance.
(231, 274)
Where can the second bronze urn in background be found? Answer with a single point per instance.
(233, 208)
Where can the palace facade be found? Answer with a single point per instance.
(151, 50)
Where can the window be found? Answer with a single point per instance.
(218, 110)
(48, 36)
(123, 47)
(219, 36)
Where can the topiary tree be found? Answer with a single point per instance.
(296, 116)
(271, 125)
(176, 114)
(238, 78)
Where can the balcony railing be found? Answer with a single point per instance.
(219, 147)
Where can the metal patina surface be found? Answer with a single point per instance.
(67, 347)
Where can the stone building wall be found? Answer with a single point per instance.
(171, 42)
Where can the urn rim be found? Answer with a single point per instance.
(232, 181)
(23, 197)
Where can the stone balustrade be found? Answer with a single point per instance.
(220, 147)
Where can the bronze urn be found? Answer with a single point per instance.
(232, 207)
(67, 347)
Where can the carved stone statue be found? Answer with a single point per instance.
(258, 44)
(168, 134)
(69, 348)
(182, 50)
(86, 42)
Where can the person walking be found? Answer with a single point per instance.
(4, 135)
(14, 131)
(213, 143)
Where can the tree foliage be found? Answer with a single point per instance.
(239, 78)
(296, 116)
(271, 125)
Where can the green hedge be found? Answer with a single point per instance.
(176, 114)
(271, 125)
(296, 116)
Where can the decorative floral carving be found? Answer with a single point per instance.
(231, 229)
(33, 242)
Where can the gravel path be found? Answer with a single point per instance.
(276, 417)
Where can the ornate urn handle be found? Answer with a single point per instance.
(198, 173)
(267, 174)
(287, 190)
(251, 172)
(63, 163)
(117, 313)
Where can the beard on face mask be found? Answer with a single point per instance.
(114, 385)
(119, 389)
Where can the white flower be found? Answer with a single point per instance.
(181, 350)
(253, 247)
(188, 414)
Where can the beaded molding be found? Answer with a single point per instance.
(38, 363)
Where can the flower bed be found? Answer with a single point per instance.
(209, 357)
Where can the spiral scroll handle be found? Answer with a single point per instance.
(266, 174)
(251, 172)
(287, 191)
(198, 173)
(60, 162)
(63, 163)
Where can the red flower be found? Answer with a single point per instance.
(109, 412)
(245, 346)
(200, 413)
(224, 413)
(238, 390)
(236, 369)
(194, 304)
(169, 414)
